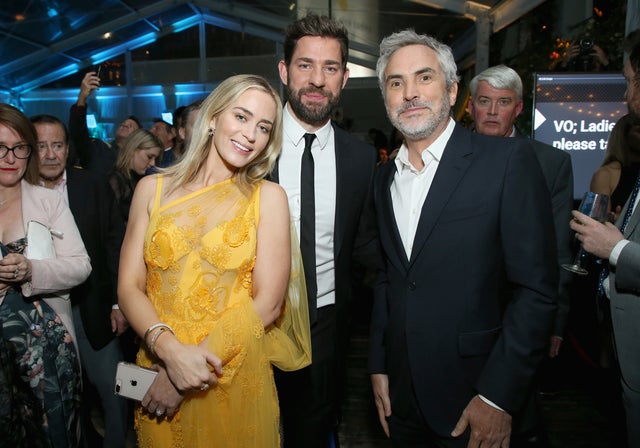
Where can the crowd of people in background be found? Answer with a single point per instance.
(219, 251)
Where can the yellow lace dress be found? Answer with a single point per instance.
(200, 251)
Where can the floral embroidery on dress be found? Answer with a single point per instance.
(236, 232)
(154, 282)
(245, 270)
(217, 256)
(191, 236)
(194, 211)
(161, 249)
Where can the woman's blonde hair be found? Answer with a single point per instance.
(136, 141)
(200, 144)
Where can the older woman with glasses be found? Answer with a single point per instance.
(39, 368)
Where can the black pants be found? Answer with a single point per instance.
(309, 397)
(412, 431)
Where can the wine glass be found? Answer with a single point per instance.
(596, 206)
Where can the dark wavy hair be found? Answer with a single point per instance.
(317, 26)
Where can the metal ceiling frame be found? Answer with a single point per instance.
(241, 18)
(488, 20)
(230, 16)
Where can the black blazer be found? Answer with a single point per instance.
(102, 230)
(558, 175)
(471, 311)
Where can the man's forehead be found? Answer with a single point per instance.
(55, 128)
(486, 89)
(326, 50)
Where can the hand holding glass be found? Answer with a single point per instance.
(596, 206)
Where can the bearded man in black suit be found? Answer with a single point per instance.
(339, 230)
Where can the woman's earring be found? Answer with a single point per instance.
(212, 131)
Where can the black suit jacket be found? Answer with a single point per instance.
(355, 233)
(102, 230)
(471, 311)
(558, 175)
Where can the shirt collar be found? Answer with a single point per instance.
(60, 185)
(433, 151)
(294, 132)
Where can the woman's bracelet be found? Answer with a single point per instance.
(156, 335)
(153, 327)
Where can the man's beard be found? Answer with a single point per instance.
(424, 129)
(316, 114)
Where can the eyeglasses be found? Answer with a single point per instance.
(19, 151)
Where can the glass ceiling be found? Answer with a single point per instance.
(45, 41)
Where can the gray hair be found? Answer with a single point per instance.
(499, 77)
(395, 41)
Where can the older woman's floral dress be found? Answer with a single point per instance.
(47, 362)
(200, 251)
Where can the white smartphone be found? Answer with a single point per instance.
(133, 381)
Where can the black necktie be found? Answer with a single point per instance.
(308, 224)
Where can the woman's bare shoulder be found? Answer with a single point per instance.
(605, 178)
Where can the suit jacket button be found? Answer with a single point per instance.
(412, 286)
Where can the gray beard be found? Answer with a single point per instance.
(427, 128)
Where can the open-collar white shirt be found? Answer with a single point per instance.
(410, 186)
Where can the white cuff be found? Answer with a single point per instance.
(615, 253)
(491, 403)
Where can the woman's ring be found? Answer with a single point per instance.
(204, 386)
(16, 272)
(159, 412)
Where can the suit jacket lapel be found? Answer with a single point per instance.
(633, 221)
(399, 255)
(454, 163)
(344, 162)
(75, 196)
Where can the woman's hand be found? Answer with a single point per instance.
(190, 367)
(15, 268)
(162, 398)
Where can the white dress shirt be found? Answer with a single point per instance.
(324, 162)
(410, 186)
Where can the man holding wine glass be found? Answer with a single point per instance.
(620, 245)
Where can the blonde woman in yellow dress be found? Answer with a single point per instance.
(209, 281)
